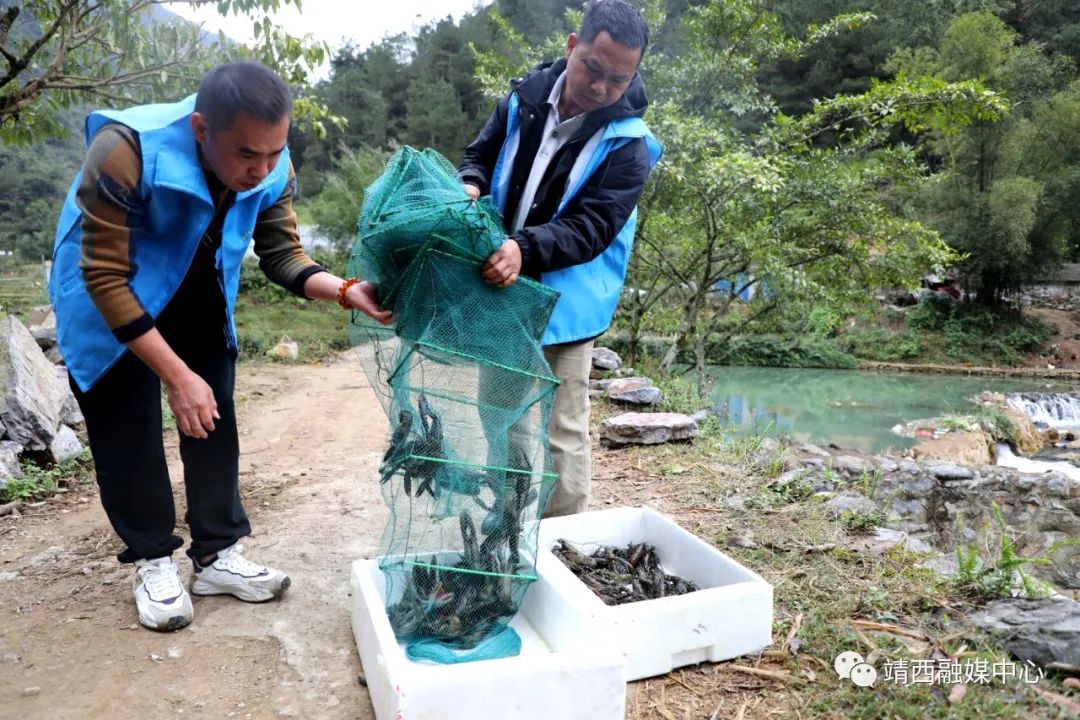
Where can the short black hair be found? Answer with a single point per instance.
(619, 19)
(242, 87)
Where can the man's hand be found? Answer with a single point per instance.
(193, 405)
(504, 265)
(473, 191)
(364, 297)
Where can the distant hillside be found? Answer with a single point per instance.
(160, 14)
(25, 27)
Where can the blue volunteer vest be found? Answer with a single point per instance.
(177, 212)
(588, 293)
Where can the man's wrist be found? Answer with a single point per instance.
(523, 248)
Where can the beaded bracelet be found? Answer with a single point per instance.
(344, 289)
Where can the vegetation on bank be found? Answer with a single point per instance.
(936, 332)
(22, 287)
(942, 331)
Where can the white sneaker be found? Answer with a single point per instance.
(231, 574)
(162, 600)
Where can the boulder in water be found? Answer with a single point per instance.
(973, 448)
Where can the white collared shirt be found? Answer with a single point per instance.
(557, 132)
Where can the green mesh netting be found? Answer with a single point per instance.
(462, 376)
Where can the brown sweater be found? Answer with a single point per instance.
(112, 209)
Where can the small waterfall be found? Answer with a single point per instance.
(1007, 458)
(1057, 410)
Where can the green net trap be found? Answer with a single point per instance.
(462, 377)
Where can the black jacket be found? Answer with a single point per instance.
(598, 212)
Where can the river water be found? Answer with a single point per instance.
(850, 408)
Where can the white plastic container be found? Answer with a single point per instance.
(731, 615)
(560, 673)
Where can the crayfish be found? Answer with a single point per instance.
(460, 603)
(419, 458)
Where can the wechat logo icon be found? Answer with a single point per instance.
(852, 666)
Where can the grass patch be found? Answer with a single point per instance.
(318, 328)
(40, 482)
(265, 313)
(22, 287)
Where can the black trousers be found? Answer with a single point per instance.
(123, 420)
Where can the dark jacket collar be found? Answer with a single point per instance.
(534, 89)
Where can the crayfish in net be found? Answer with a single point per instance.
(419, 458)
(461, 602)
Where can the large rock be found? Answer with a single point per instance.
(647, 428)
(965, 448)
(884, 539)
(70, 413)
(37, 315)
(635, 391)
(850, 503)
(53, 355)
(1029, 440)
(949, 471)
(65, 445)
(44, 331)
(853, 465)
(602, 384)
(958, 504)
(31, 396)
(604, 359)
(9, 463)
(1042, 631)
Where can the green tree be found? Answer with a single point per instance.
(849, 62)
(1054, 23)
(58, 53)
(765, 205)
(336, 209)
(992, 204)
(435, 117)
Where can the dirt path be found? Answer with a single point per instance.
(69, 648)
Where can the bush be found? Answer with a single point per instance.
(943, 330)
(882, 345)
(40, 482)
(778, 351)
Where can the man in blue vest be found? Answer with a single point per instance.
(565, 156)
(145, 273)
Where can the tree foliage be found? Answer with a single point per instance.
(59, 53)
(1011, 218)
(735, 206)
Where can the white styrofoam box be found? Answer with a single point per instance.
(560, 672)
(731, 615)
